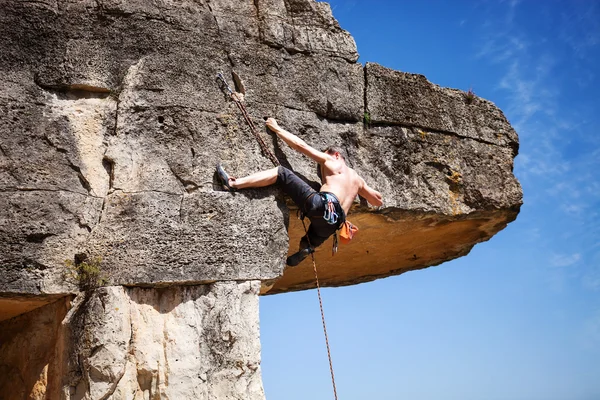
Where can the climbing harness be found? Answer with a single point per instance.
(334, 247)
(333, 214)
(330, 216)
(238, 102)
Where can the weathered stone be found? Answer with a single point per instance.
(12, 305)
(136, 126)
(31, 353)
(304, 27)
(42, 228)
(112, 134)
(441, 199)
(189, 342)
(400, 98)
(111, 123)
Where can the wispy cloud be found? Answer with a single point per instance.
(533, 81)
(527, 78)
(528, 85)
(512, 6)
(591, 332)
(502, 46)
(559, 155)
(564, 260)
(573, 209)
(591, 277)
(591, 280)
(580, 27)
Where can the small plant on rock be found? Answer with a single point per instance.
(85, 272)
(470, 96)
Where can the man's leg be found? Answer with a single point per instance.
(305, 249)
(291, 184)
(318, 232)
(258, 179)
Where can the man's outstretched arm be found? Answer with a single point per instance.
(296, 143)
(370, 194)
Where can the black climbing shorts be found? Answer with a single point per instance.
(312, 204)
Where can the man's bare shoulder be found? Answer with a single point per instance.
(356, 176)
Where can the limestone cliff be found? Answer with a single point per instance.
(111, 123)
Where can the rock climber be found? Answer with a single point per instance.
(327, 208)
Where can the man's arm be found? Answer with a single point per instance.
(296, 143)
(372, 195)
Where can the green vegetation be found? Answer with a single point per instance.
(470, 96)
(86, 273)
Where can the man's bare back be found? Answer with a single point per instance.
(343, 182)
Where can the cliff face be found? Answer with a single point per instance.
(111, 123)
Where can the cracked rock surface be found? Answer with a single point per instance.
(110, 136)
(111, 124)
(192, 342)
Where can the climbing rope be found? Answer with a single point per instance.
(238, 102)
(275, 162)
(322, 312)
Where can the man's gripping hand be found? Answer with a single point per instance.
(272, 125)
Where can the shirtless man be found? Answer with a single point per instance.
(327, 208)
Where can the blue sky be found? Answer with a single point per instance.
(519, 317)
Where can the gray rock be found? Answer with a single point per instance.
(111, 124)
(110, 137)
(119, 128)
(400, 98)
(31, 353)
(193, 342)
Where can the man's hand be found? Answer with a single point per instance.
(296, 143)
(272, 124)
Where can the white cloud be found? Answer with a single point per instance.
(512, 5)
(573, 209)
(559, 158)
(580, 28)
(591, 280)
(533, 235)
(528, 85)
(591, 332)
(564, 260)
(532, 91)
(564, 186)
(591, 277)
(501, 46)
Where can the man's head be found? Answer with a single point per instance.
(336, 153)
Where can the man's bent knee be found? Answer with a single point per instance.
(282, 174)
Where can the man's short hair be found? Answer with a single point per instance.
(331, 150)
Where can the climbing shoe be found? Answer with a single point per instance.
(297, 258)
(224, 178)
(303, 243)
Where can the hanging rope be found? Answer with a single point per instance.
(242, 108)
(275, 162)
(322, 313)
